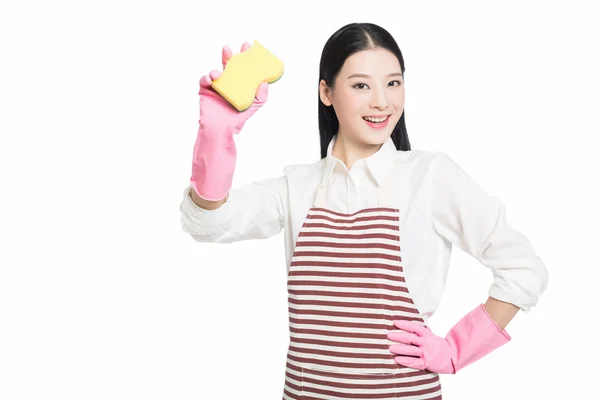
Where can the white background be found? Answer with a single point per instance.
(102, 296)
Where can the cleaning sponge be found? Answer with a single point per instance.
(244, 72)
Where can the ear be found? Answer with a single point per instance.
(324, 92)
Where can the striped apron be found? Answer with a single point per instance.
(345, 287)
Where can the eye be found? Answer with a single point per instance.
(395, 83)
(360, 86)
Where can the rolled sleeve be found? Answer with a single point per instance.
(252, 211)
(463, 213)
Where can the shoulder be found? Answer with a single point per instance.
(431, 166)
(305, 173)
(430, 155)
(427, 158)
(418, 159)
(302, 182)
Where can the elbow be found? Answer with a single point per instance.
(522, 287)
(206, 235)
(204, 226)
(541, 283)
(543, 276)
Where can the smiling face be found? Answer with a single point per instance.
(367, 96)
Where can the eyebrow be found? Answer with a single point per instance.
(369, 76)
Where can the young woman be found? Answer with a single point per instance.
(369, 230)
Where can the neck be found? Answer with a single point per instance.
(349, 151)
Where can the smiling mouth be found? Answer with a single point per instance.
(376, 120)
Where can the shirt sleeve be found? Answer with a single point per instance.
(252, 211)
(464, 214)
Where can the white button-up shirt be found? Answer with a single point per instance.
(440, 206)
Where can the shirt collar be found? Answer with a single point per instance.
(378, 163)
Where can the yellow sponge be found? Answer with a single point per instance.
(244, 72)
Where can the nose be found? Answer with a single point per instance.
(379, 99)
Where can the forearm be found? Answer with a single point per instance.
(501, 312)
(206, 204)
(475, 335)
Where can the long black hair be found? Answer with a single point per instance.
(346, 41)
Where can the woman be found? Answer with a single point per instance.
(369, 230)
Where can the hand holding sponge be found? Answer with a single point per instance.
(245, 72)
(227, 101)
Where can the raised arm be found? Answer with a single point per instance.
(210, 210)
(253, 211)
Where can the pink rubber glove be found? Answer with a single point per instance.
(214, 151)
(473, 337)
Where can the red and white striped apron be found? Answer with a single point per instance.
(345, 287)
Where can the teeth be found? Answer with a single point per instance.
(370, 119)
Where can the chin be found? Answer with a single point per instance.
(377, 139)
